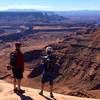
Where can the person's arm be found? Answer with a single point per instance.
(23, 66)
(41, 65)
(10, 59)
(43, 60)
(9, 66)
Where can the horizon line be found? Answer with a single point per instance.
(30, 10)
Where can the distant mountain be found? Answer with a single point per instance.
(79, 13)
(61, 13)
(21, 10)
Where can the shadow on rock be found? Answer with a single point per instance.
(32, 55)
(39, 70)
(35, 72)
(47, 98)
(24, 97)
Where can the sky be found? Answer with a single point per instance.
(51, 5)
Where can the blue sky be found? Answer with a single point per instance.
(51, 5)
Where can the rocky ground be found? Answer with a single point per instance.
(79, 59)
(31, 94)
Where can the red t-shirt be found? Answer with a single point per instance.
(19, 60)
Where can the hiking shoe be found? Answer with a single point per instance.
(15, 90)
(41, 93)
(51, 95)
(21, 91)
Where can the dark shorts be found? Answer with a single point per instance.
(17, 73)
(47, 78)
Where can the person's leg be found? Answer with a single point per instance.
(14, 82)
(51, 86)
(19, 84)
(14, 79)
(19, 78)
(44, 78)
(51, 90)
(42, 88)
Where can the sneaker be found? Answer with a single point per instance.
(51, 95)
(41, 93)
(15, 90)
(21, 91)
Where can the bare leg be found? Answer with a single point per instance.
(51, 91)
(51, 88)
(42, 88)
(19, 84)
(15, 88)
(14, 82)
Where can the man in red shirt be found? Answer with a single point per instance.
(17, 63)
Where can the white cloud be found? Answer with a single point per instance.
(37, 7)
